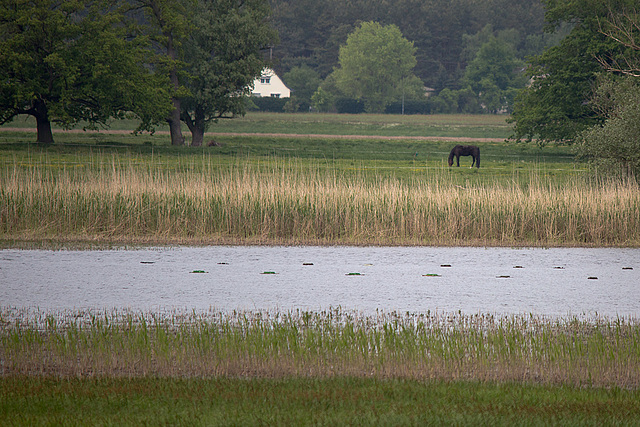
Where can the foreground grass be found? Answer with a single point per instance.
(300, 401)
(316, 368)
(599, 352)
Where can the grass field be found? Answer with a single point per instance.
(306, 402)
(366, 179)
(445, 125)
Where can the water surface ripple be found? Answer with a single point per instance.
(553, 282)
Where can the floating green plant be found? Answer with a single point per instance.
(198, 271)
(354, 274)
(268, 272)
(431, 275)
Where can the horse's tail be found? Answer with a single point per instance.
(478, 159)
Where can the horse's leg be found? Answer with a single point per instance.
(458, 160)
(474, 160)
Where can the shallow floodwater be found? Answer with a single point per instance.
(554, 282)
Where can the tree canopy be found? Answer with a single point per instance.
(614, 146)
(71, 62)
(375, 63)
(312, 31)
(222, 56)
(495, 75)
(556, 105)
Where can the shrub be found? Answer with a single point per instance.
(349, 106)
(410, 107)
(614, 147)
(271, 104)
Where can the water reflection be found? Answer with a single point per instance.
(552, 282)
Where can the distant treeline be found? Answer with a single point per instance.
(447, 33)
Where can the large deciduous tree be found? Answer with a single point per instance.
(623, 27)
(555, 106)
(614, 146)
(376, 65)
(168, 23)
(71, 62)
(222, 57)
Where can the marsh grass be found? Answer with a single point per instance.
(334, 343)
(280, 201)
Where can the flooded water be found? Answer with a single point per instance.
(554, 282)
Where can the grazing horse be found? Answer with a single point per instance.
(465, 150)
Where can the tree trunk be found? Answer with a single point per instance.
(175, 126)
(197, 125)
(40, 112)
(197, 136)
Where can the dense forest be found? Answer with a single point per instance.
(446, 33)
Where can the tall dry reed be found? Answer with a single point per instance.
(284, 203)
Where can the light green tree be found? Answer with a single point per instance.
(376, 65)
(322, 100)
(71, 62)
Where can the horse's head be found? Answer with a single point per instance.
(450, 161)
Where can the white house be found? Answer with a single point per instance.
(269, 84)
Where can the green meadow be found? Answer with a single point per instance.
(322, 180)
(439, 125)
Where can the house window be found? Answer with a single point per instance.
(275, 95)
(265, 79)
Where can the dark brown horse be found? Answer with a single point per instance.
(465, 150)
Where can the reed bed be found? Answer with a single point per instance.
(281, 202)
(583, 351)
